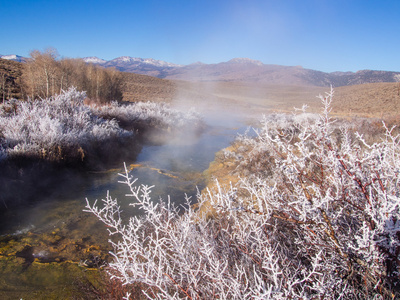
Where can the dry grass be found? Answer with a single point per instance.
(377, 100)
(146, 88)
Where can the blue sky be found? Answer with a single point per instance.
(334, 35)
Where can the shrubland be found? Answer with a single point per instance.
(315, 215)
(64, 129)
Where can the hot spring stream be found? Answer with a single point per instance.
(48, 248)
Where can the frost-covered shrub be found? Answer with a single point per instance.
(150, 114)
(323, 223)
(63, 127)
(53, 127)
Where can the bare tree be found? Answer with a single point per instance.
(44, 76)
(46, 63)
(40, 71)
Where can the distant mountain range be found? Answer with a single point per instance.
(243, 69)
(237, 69)
(146, 66)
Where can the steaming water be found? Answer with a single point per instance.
(174, 168)
(55, 224)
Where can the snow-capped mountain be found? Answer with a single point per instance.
(147, 66)
(14, 57)
(138, 60)
(94, 60)
(123, 61)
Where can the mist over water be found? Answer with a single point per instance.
(47, 222)
(174, 166)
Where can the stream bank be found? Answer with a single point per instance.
(49, 244)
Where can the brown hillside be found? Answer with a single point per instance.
(11, 70)
(146, 88)
(370, 100)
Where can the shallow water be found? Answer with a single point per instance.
(54, 229)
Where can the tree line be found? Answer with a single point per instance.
(45, 75)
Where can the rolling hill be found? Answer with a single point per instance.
(245, 70)
(237, 70)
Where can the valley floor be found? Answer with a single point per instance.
(377, 100)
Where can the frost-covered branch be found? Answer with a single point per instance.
(63, 127)
(318, 220)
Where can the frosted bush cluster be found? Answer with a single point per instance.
(35, 127)
(153, 114)
(63, 126)
(322, 223)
